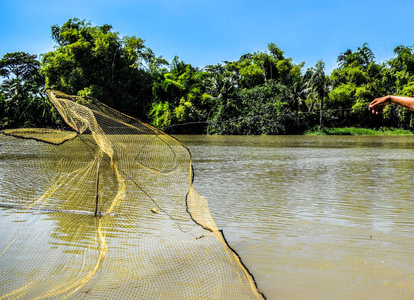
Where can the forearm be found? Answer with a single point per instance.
(407, 102)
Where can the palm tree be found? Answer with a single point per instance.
(299, 93)
(362, 57)
(367, 56)
(221, 83)
(343, 58)
(318, 85)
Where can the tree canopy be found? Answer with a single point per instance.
(21, 100)
(95, 61)
(262, 92)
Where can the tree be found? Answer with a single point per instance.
(20, 65)
(404, 60)
(319, 85)
(265, 109)
(344, 58)
(221, 85)
(179, 98)
(96, 61)
(362, 57)
(22, 100)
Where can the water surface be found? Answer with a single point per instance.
(78, 224)
(314, 217)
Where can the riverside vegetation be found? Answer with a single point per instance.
(261, 93)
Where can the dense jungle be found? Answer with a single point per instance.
(261, 93)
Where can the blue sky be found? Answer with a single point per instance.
(203, 32)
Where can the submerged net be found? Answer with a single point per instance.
(107, 210)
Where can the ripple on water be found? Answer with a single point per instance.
(314, 217)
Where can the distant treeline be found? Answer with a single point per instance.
(261, 93)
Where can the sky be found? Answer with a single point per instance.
(208, 32)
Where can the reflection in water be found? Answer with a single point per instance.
(316, 217)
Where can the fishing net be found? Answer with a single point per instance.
(107, 210)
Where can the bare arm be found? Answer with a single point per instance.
(378, 104)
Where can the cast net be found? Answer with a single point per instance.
(107, 210)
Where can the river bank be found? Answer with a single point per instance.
(358, 131)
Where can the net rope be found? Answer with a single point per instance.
(107, 210)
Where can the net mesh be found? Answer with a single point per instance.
(107, 210)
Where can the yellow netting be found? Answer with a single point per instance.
(107, 211)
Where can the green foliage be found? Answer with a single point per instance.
(260, 93)
(356, 82)
(358, 131)
(408, 89)
(180, 98)
(265, 93)
(361, 58)
(263, 109)
(160, 114)
(21, 100)
(251, 74)
(342, 95)
(404, 61)
(118, 71)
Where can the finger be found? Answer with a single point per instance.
(376, 110)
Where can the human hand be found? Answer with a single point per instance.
(378, 104)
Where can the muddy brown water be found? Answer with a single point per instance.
(314, 217)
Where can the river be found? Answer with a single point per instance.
(314, 217)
